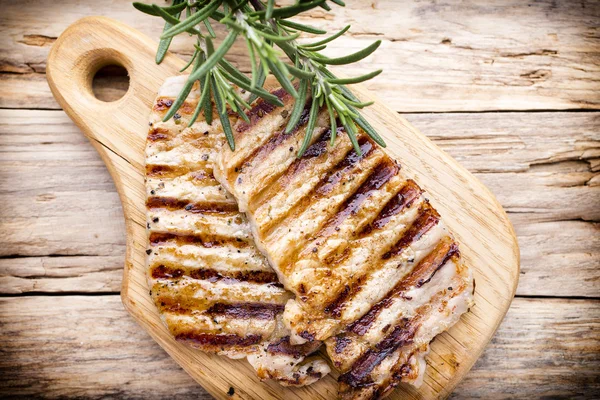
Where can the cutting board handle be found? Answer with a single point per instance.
(84, 48)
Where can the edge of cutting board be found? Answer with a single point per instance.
(118, 131)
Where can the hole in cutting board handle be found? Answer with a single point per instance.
(110, 83)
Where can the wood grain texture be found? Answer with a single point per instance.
(118, 131)
(46, 157)
(436, 55)
(536, 352)
(89, 347)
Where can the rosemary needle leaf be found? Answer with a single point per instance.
(225, 123)
(302, 27)
(260, 81)
(300, 73)
(270, 6)
(329, 39)
(192, 21)
(339, 3)
(362, 122)
(350, 58)
(278, 38)
(310, 126)
(234, 71)
(214, 58)
(148, 9)
(282, 78)
(189, 62)
(358, 79)
(207, 106)
(171, 19)
(209, 28)
(351, 132)
(260, 92)
(325, 7)
(332, 122)
(291, 11)
(318, 48)
(298, 106)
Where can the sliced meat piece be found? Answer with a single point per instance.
(372, 266)
(214, 290)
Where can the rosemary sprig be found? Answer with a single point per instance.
(267, 31)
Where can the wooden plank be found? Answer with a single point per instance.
(83, 347)
(50, 171)
(88, 347)
(62, 274)
(53, 173)
(508, 55)
(544, 349)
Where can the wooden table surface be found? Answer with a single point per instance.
(511, 89)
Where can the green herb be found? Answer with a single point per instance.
(267, 32)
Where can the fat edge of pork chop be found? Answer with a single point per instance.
(213, 288)
(375, 272)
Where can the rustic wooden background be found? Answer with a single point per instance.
(509, 88)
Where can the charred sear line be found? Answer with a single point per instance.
(381, 174)
(166, 171)
(158, 134)
(336, 307)
(342, 168)
(231, 277)
(208, 241)
(262, 152)
(213, 340)
(420, 275)
(327, 184)
(427, 219)
(404, 199)
(283, 346)
(402, 335)
(341, 343)
(163, 104)
(173, 203)
(261, 311)
(319, 147)
(260, 109)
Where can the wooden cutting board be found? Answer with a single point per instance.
(118, 131)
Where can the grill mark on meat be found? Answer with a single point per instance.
(341, 343)
(314, 151)
(419, 227)
(325, 185)
(397, 373)
(173, 203)
(380, 175)
(350, 290)
(158, 134)
(261, 109)
(166, 171)
(163, 104)
(261, 277)
(404, 199)
(260, 154)
(328, 183)
(283, 346)
(158, 238)
(427, 219)
(218, 340)
(264, 311)
(420, 275)
(402, 335)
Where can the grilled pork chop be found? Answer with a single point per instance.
(374, 270)
(213, 288)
